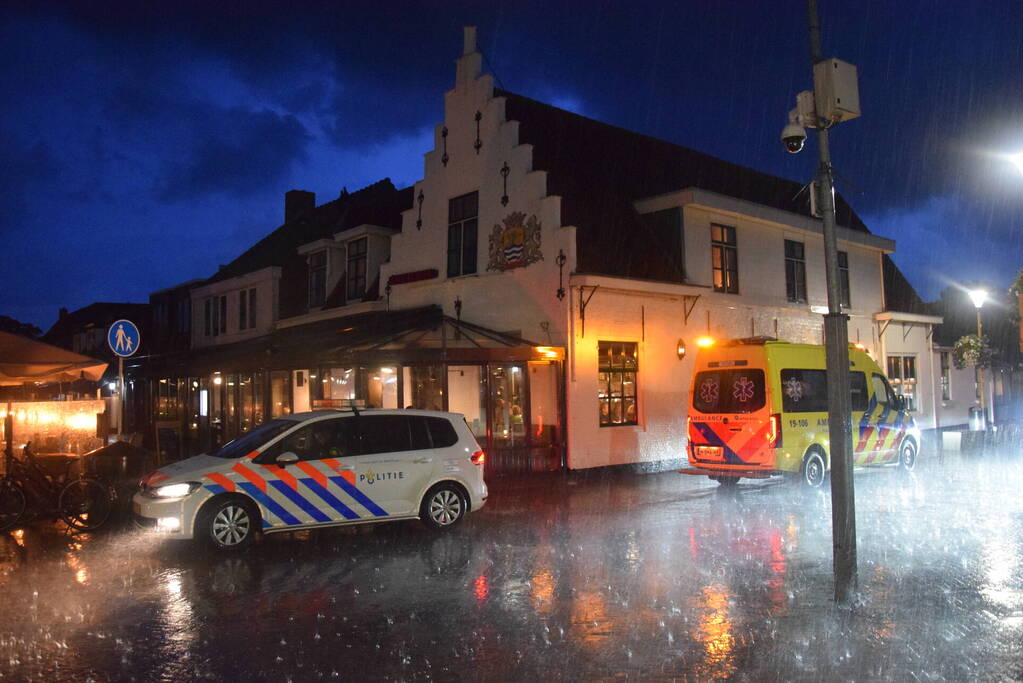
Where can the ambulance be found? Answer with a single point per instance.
(758, 408)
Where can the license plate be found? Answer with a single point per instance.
(136, 508)
(708, 452)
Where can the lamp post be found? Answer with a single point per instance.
(978, 297)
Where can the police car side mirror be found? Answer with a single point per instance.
(287, 458)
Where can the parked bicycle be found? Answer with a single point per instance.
(28, 492)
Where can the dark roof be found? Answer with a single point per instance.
(899, 295)
(377, 204)
(599, 170)
(98, 314)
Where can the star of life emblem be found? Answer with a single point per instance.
(794, 389)
(743, 389)
(709, 390)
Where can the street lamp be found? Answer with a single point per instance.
(978, 297)
(1018, 160)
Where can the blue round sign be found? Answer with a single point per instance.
(123, 338)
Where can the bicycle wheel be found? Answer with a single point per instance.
(85, 504)
(12, 503)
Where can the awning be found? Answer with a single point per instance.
(27, 360)
(417, 335)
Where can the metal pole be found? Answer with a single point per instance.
(980, 375)
(120, 396)
(836, 343)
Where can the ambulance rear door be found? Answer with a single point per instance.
(730, 421)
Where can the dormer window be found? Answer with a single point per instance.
(356, 269)
(317, 278)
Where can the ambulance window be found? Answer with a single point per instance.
(729, 391)
(858, 391)
(882, 392)
(804, 391)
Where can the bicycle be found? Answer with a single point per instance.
(26, 492)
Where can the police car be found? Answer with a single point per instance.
(320, 469)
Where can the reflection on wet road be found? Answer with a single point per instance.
(560, 577)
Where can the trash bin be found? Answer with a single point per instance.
(976, 419)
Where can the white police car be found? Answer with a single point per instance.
(320, 469)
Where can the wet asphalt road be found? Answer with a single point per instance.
(584, 576)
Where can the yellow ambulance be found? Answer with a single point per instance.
(758, 407)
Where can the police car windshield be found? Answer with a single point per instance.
(250, 441)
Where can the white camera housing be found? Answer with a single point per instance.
(793, 136)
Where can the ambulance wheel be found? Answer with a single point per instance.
(814, 471)
(443, 506)
(907, 456)
(227, 523)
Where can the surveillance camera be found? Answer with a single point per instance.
(793, 136)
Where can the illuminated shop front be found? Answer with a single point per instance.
(510, 390)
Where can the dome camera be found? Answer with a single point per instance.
(793, 136)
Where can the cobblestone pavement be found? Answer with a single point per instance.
(582, 576)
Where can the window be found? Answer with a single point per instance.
(317, 278)
(243, 309)
(356, 269)
(252, 307)
(843, 277)
(724, 259)
(216, 315)
(883, 391)
(946, 376)
(462, 220)
(616, 389)
(223, 314)
(665, 229)
(208, 317)
(902, 374)
(247, 309)
(806, 391)
(729, 391)
(795, 271)
(184, 316)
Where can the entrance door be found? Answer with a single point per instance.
(507, 418)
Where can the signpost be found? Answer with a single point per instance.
(123, 338)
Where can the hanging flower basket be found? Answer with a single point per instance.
(971, 350)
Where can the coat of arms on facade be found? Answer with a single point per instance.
(516, 243)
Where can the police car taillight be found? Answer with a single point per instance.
(774, 433)
(478, 457)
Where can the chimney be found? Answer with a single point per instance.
(298, 202)
(62, 313)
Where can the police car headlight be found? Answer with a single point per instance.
(175, 490)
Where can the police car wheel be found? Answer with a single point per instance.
(814, 470)
(443, 506)
(228, 524)
(907, 456)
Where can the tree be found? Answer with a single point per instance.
(9, 324)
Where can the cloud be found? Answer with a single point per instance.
(236, 152)
(944, 240)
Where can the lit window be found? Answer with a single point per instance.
(724, 259)
(616, 388)
(902, 375)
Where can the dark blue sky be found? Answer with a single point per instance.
(143, 144)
